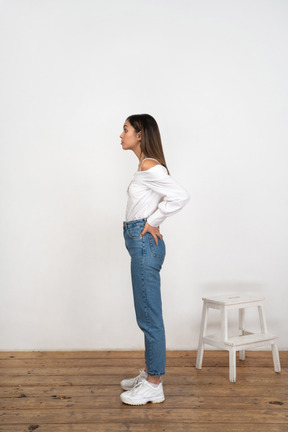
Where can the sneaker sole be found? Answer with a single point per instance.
(144, 403)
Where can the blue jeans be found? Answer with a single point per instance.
(146, 262)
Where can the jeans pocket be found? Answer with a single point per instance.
(158, 251)
(135, 231)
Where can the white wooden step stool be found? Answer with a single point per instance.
(240, 343)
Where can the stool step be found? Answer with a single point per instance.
(230, 300)
(237, 341)
(250, 339)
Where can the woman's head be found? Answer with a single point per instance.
(147, 132)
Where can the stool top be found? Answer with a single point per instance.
(234, 299)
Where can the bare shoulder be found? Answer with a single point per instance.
(149, 163)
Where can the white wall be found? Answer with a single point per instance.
(214, 75)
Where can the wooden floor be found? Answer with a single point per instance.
(79, 392)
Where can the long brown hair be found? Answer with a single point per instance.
(151, 144)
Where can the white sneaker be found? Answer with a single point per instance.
(142, 393)
(128, 384)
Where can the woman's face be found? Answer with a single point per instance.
(130, 139)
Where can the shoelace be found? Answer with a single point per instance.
(136, 387)
(137, 380)
(139, 377)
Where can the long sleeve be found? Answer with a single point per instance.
(174, 196)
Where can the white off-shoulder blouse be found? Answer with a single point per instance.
(155, 195)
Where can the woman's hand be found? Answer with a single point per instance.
(152, 230)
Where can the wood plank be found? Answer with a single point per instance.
(188, 379)
(230, 389)
(149, 413)
(212, 354)
(222, 361)
(84, 354)
(171, 402)
(130, 372)
(142, 427)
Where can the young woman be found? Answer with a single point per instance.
(152, 196)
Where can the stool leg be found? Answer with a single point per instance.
(202, 334)
(232, 365)
(241, 328)
(262, 319)
(275, 353)
(224, 324)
